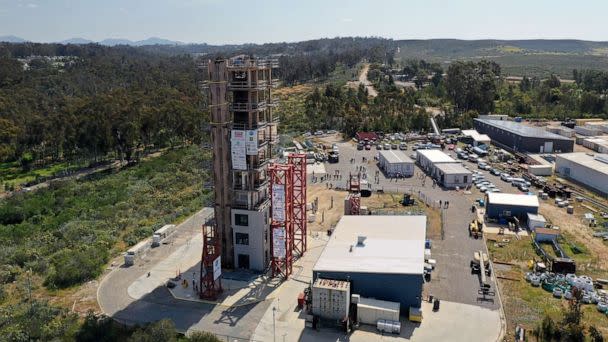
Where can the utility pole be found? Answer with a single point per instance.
(274, 330)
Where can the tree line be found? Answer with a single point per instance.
(117, 100)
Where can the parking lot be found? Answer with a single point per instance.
(452, 279)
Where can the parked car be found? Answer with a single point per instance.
(506, 177)
(368, 147)
(378, 146)
(403, 146)
(495, 172)
(387, 146)
(523, 188)
(394, 146)
(359, 147)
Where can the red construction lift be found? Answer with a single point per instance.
(281, 221)
(298, 160)
(210, 280)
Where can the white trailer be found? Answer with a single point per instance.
(370, 311)
(396, 162)
(136, 251)
(162, 234)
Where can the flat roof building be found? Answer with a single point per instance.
(587, 169)
(429, 161)
(382, 257)
(518, 137)
(503, 206)
(476, 138)
(396, 162)
(452, 175)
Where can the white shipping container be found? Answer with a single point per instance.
(370, 310)
(541, 170)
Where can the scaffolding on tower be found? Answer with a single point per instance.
(354, 196)
(298, 160)
(281, 224)
(210, 280)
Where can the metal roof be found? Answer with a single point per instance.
(393, 244)
(452, 168)
(476, 135)
(519, 200)
(522, 130)
(585, 160)
(396, 156)
(436, 156)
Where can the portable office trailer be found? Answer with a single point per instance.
(395, 162)
(452, 175)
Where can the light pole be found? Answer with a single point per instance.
(274, 331)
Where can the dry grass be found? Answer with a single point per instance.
(329, 216)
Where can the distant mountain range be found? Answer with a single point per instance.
(107, 42)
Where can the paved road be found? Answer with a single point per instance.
(115, 301)
(452, 279)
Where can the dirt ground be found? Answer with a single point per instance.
(328, 215)
(574, 225)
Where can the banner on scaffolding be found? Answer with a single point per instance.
(252, 142)
(278, 202)
(278, 242)
(238, 150)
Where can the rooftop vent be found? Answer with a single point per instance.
(361, 240)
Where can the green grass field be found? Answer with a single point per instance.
(11, 173)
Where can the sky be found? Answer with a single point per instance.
(261, 21)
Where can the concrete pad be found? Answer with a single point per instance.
(495, 230)
(453, 322)
(182, 259)
(317, 168)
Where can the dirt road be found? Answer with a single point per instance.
(371, 91)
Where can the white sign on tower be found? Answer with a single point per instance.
(252, 142)
(217, 267)
(278, 242)
(238, 149)
(278, 202)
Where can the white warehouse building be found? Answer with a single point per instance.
(394, 162)
(591, 170)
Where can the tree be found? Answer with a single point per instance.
(161, 331)
(202, 336)
(596, 335)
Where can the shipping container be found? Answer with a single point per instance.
(370, 310)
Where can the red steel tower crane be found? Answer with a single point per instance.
(281, 222)
(298, 160)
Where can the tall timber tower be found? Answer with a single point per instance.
(243, 132)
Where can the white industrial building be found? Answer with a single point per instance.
(395, 162)
(453, 175)
(476, 138)
(588, 169)
(381, 256)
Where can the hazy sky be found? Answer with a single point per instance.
(259, 21)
